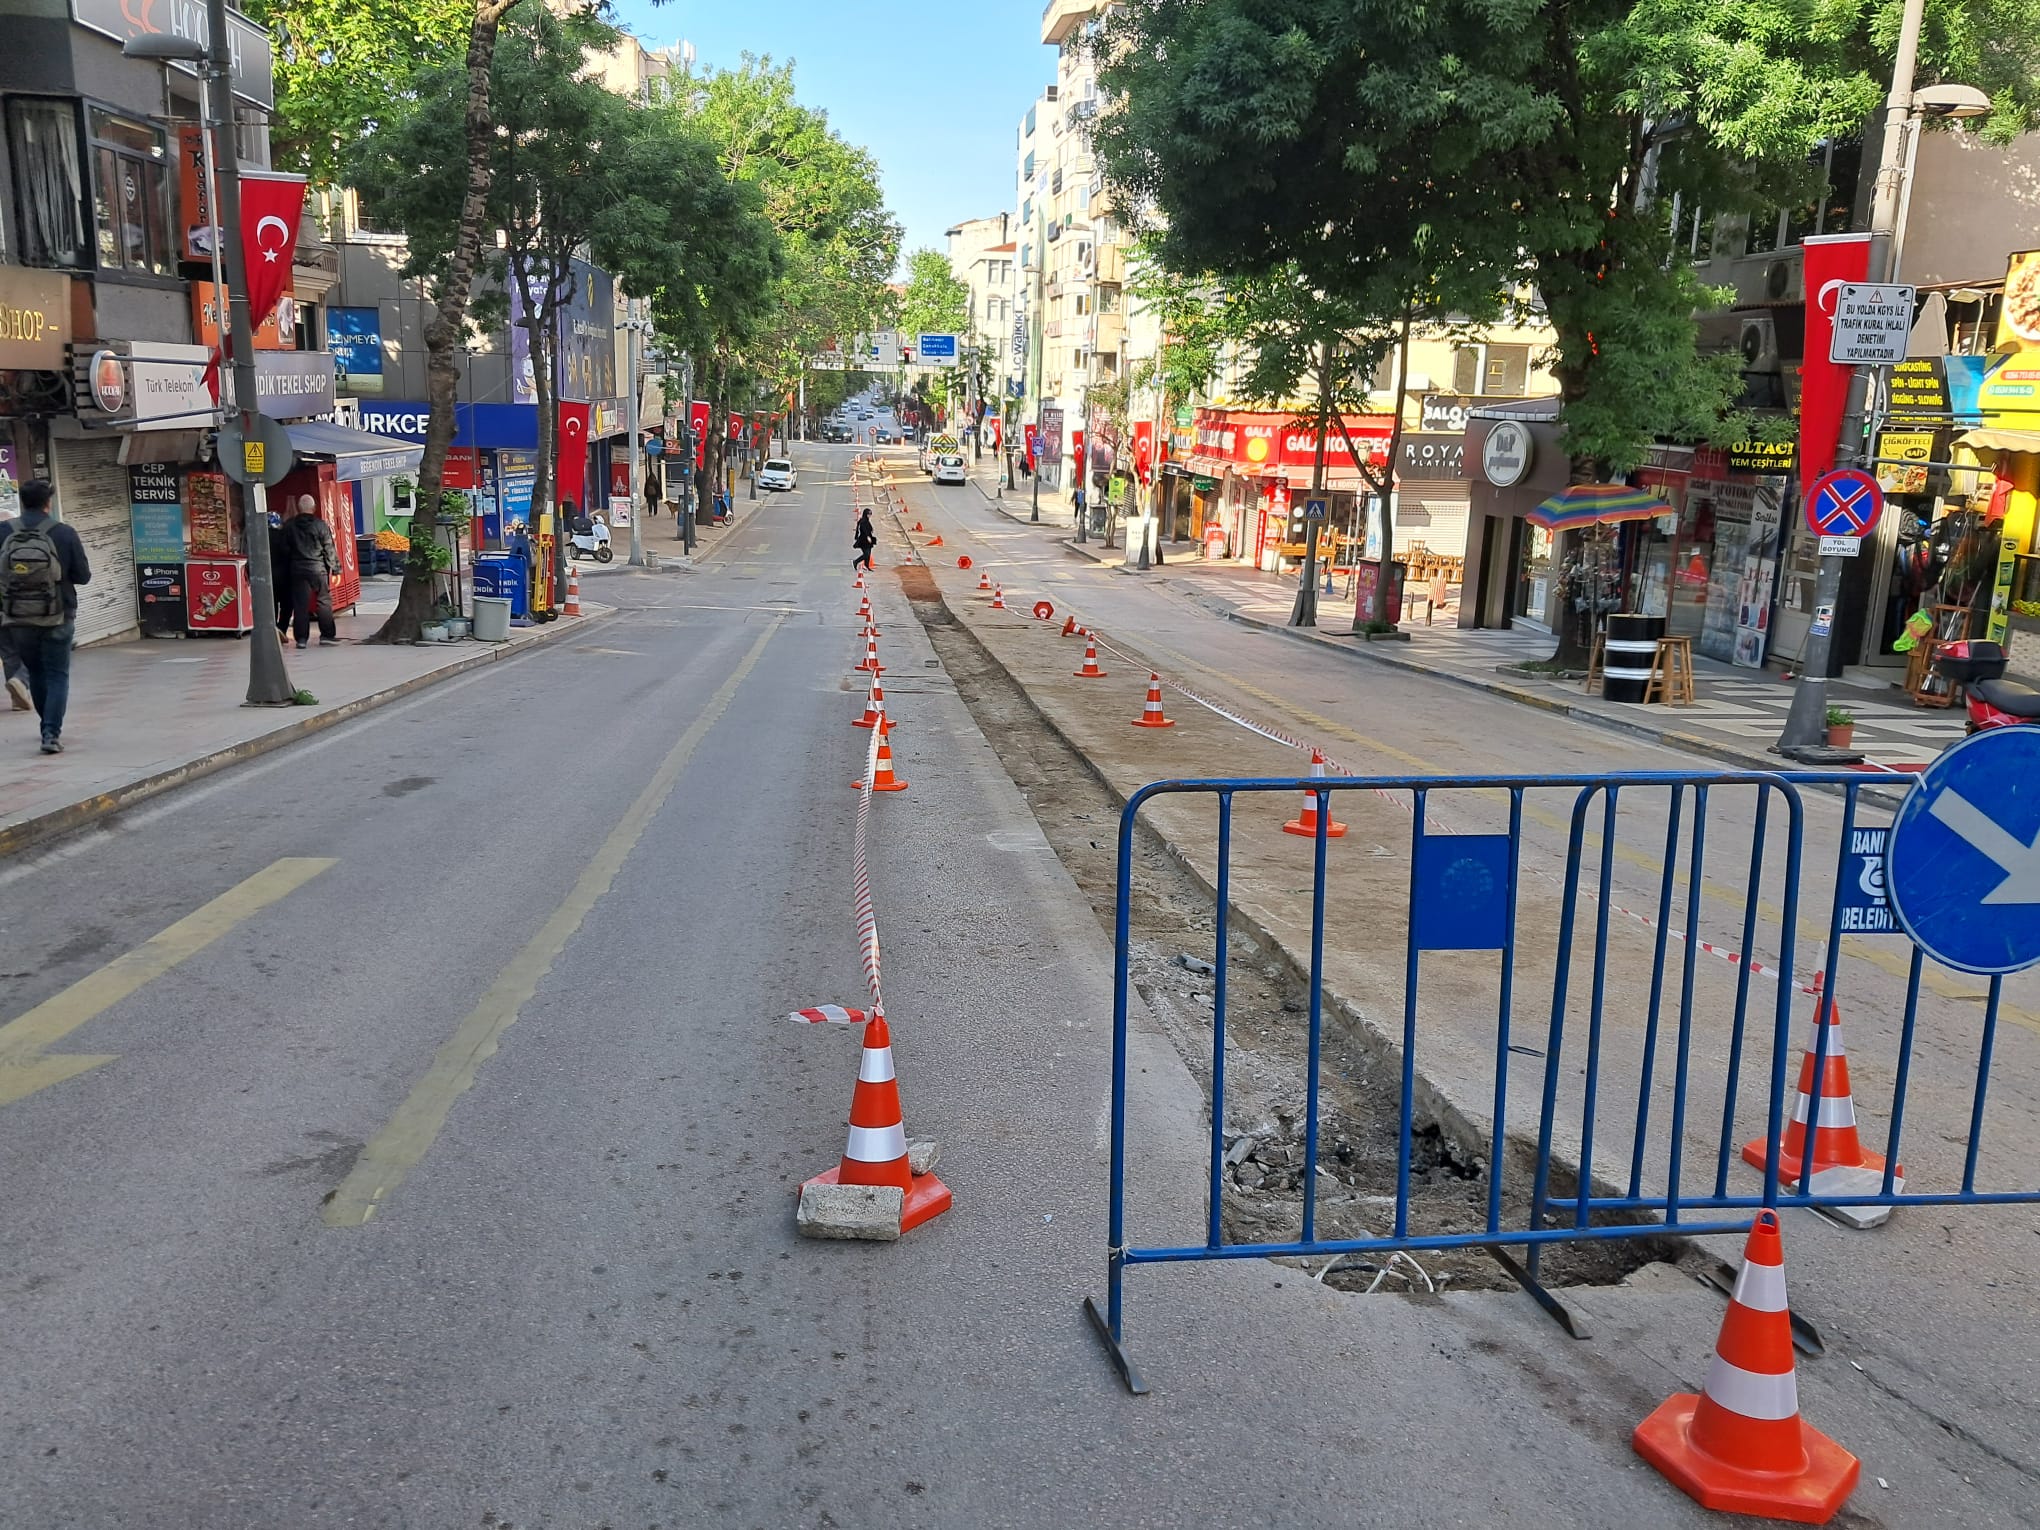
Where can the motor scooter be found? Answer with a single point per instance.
(1994, 702)
(592, 543)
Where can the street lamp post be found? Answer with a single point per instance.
(633, 326)
(1806, 723)
(269, 683)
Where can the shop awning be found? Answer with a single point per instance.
(1991, 440)
(1205, 467)
(356, 453)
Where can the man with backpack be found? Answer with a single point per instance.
(314, 560)
(42, 563)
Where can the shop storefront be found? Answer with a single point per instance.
(494, 461)
(1513, 571)
(1260, 466)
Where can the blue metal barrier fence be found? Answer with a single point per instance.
(1464, 893)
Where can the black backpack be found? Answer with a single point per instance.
(31, 579)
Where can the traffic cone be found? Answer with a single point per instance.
(984, 579)
(874, 706)
(876, 1153)
(573, 605)
(917, 526)
(864, 609)
(998, 598)
(1740, 1446)
(860, 580)
(871, 663)
(1841, 1164)
(1069, 625)
(1151, 714)
(1090, 671)
(883, 779)
(1306, 821)
(935, 541)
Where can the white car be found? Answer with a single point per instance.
(777, 474)
(949, 468)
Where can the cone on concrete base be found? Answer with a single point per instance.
(871, 664)
(573, 605)
(1090, 670)
(883, 779)
(864, 608)
(998, 598)
(876, 1153)
(1305, 823)
(874, 706)
(1841, 1164)
(1739, 1445)
(1151, 714)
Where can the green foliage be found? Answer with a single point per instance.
(936, 301)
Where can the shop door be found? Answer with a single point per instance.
(92, 498)
(1724, 584)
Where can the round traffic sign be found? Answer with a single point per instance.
(1844, 503)
(1962, 863)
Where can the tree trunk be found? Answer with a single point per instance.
(443, 333)
(1378, 608)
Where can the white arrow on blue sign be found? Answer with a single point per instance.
(1963, 867)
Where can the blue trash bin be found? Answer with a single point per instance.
(504, 576)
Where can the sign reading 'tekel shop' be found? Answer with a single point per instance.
(35, 319)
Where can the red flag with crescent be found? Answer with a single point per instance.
(270, 208)
(573, 453)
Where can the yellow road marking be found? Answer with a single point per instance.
(25, 1066)
(1894, 963)
(399, 1147)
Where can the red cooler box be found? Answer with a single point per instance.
(216, 596)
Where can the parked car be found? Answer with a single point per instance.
(949, 467)
(836, 433)
(777, 474)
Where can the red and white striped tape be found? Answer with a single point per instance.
(829, 1014)
(860, 878)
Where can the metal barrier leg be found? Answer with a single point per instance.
(1565, 1317)
(1114, 1350)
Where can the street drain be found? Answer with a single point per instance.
(1267, 1036)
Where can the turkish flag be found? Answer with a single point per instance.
(270, 208)
(1144, 448)
(697, 421)
(573, 453)
(1830, 260)
(736, 427)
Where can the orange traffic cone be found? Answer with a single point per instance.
(984, 579)
(917, 526)
(876, 1153)
(935, 541)
(874, 706)
(1069, 625)
(1306, 821)
(883, 779)
(1090, 671)
(1151, 714)
(573, 605)
(864, 608)
(1841, 1164)
(1740, 1445)
(860, 580)
(871, 663)
(998, 598)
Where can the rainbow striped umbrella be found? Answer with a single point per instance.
(1596, 504)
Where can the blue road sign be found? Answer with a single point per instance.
(1316, 509)
(936, 350)
(1963, 867)
(1844, 503)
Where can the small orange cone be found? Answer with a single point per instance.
(1740, 1445)
(1090, 671)
(1044, 611)
(871, 663)
(573, 605)
(876, 1153)
(998, 598)
(1306, 821)
(1069, 625)
(874, 706)
(860, 580)
(883, 778)
(935, 541)
(864, 608)
(984, 579)
(1151, 714)
(1841, 1164)
(917, 526)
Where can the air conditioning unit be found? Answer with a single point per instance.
(1759, 344)
(1052, 90)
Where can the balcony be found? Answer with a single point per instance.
(1059, 18)
(1111, 260)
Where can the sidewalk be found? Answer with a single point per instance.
(1736, 716)
(152, 714)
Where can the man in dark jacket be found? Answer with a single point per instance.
(279, 565)
(42, 563)
(863, 539)
(314, 560)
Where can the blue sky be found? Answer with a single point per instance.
(934, 91)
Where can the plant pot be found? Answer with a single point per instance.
(456, 627)
(1840, 734)
(432, 632)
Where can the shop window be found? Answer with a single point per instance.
(1466, 370)
(1844, 183)
(49, 182)
(132, 172)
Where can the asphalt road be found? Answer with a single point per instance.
(401, 1131)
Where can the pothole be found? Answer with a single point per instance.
(1267, 1036)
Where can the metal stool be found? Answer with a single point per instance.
(1671, 673)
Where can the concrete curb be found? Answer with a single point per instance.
(30, 832)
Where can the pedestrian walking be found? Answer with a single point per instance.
(279, 565)
(864, 539)
(17, 677)
(314, 560)
(42, 563)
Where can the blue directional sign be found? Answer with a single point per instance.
(1844, 503)
(936, 350)
(1316, 509)
(1963, 867)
